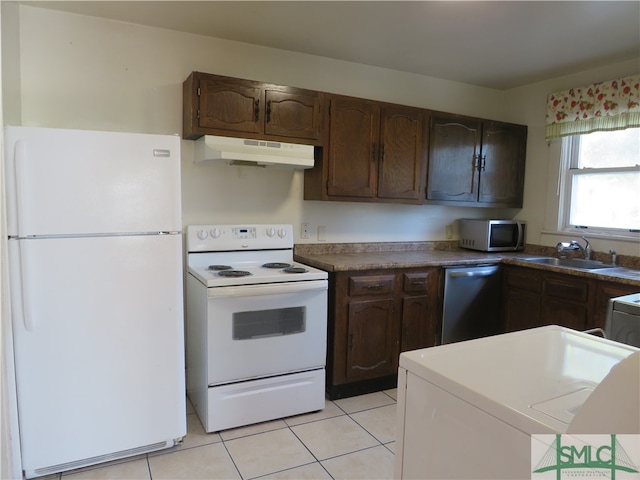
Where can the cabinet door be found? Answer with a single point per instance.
(566, 301)
(292, 114)
(502, 163)
(418, 323)
(372, 342)
(401, 153)
(231, 105)
(453, 155)
(522, 310)
(522, 298)
(565, 314)
(419, 309)
(352, 151)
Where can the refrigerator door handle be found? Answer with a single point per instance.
(18, 278)
(19, 158)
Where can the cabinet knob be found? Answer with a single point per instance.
(256, 109)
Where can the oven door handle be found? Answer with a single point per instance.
(267, 289)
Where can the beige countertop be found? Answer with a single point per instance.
(345, 261)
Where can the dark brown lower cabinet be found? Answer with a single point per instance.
(373, 316)
(536, 297)
(566, 300)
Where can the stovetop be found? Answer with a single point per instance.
(230, 255)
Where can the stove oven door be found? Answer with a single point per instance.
(262, 330)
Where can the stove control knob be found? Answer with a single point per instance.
(202, 234)
(215, 233)
(282, 233)
(271, 231)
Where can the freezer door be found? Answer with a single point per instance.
(98, 334)
(70, 182)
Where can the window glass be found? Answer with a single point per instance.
(610, 149)
(620, 207)
(602, 181)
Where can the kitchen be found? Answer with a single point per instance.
(131, 81)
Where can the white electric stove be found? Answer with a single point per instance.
(256, 326)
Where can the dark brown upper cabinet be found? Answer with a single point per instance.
(475, 162)
(373, 152)
(217, 105)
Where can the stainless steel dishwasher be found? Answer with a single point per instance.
(471, 305)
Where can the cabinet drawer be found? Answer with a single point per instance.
(525, 279)
(417, 282)
(372, 285)
(566, 289)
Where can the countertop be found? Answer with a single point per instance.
(345, 261)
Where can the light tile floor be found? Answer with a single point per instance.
(352, 438)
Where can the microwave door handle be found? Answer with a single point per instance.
(520, 236)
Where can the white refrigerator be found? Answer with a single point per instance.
(95, 259)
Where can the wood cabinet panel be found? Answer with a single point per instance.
(372, 344)
(421, 281)
(567, 288)
(418, 323)
(564, 313)
(502, 169)
(230, 105)
(372, 315)
(553, 298)
(373, 152)
(218, 105)
(522, 310)
(352, 149)
(372, 285)
(401, 154)
(294, 115)
(420, 308)
(453, 151)
(475, 162)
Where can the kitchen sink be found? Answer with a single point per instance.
(577, 263)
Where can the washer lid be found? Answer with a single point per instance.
(628, 304)
(505, 375)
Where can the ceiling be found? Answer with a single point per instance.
(496, 44)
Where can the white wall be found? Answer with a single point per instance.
(84, 72)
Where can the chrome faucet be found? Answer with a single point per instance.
(574, 245)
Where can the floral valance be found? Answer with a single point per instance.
(613, 105)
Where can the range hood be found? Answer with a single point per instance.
(256, 153)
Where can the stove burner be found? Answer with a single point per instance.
(218, 267)
(276, 265)
(295, 270)
(234, 273)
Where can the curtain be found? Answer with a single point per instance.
(613, 105)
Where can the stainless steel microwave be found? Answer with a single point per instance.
(492, 235)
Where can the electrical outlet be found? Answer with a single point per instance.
(305, 232)
(448, 232)
(322, 234)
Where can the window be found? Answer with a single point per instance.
(601, 186)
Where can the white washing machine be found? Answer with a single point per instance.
(467, 410)
(623, 319)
